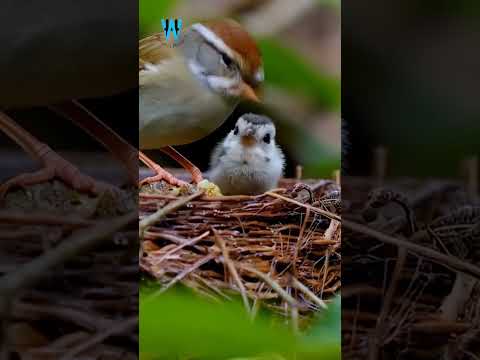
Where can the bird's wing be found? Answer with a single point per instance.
(153, 50)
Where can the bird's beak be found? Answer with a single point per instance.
(248, 93)
(248, 139)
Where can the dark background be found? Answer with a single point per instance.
(410, 72)
(61, 50)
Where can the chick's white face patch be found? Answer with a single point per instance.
(259, 130)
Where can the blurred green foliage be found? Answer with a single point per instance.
(177, 324)
(301, 78)
(151, 13)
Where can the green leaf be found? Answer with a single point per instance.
(327, 325)
(176, 324)
(287, 69)
(151, 12)
(325, 334)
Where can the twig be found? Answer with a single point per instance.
(298, 244)
(86, 319)
(152, 219)
(181, 275)
(325, 272)
(232, 270)
(298, 172)
(173, 238)
(294, 312)
(273, 284)
(119, 328)
(184, 244)
(306, 206)
(387, 304)
(297, 284)
(445, 260)
(78, 242)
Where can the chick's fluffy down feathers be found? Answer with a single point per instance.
(240, 170)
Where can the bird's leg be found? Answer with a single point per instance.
(160, 173)
(186, 164)
(54, 166)
(117, 146)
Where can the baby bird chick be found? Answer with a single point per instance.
(248, 161)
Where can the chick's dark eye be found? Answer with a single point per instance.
(266, 138)
(235, 131)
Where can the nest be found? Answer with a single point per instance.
(279, 249)
(59, 298)
(406, 246)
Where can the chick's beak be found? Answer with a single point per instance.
(248, 93)
(248, 139)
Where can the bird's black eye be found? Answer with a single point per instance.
(235, 131)
(266, 138)
(226, 60)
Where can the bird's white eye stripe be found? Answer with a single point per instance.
(212, 38)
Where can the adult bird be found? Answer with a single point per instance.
(54, 53)
(189, 88)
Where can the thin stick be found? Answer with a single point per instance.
(232, 270)
(184, 244)
(294, 312)
(88, 320)
(180, 276)
(152, 219)
(387, 304)
(173, 238)
(78, 242)
(297, 284)
(273, 284)
(336, 177)
(306, 206)
(298, 244)
(325, 272)
(442, 259)
(122, 327)
(298, 172)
